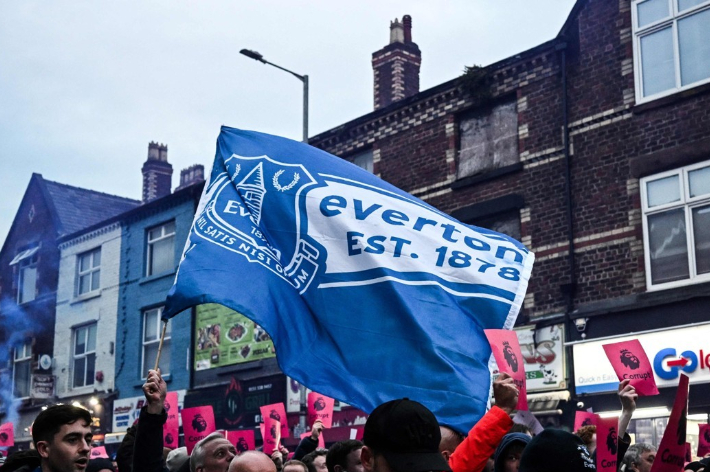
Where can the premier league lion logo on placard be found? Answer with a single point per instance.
(319, 404)
(611, 442)
(510, 356)
(234, 217)
(242, 445)
(274, 415)
(4, 437)
(199, 424)
(629, 359)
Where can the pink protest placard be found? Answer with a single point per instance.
(242, 439)
(321, 440)
(197, 424)
(271, 433)
(99, 451)
(703, 440)
(583, 418)
(7, 435)
(506, 350)
(630, 362)
(320, 408)
(607, 443)
(276, 411)
(671, 452)
(171, 428)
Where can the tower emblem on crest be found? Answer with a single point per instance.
(239, 216)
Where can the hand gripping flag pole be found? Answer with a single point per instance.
(385, 295)
(160, 346)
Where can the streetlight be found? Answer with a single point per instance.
(303, 78)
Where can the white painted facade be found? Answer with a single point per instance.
(75, 311)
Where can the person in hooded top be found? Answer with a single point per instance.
(509, 451)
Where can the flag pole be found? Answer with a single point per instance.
(160, 346)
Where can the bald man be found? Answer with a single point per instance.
(252, 461)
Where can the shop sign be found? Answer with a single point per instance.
(42, 386)
(224, 337)
(670, 351)
(127, 410)
(236, 405)
(293, 395)
(544, 357)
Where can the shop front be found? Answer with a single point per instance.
(672, 351)
(545, 371)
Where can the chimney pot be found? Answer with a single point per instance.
(191, 175)
(407, 27)
(396, 66)
(157, 172)
(396, 32)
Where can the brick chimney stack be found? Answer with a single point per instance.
(396, 66)
(191, 175)
(157, 173)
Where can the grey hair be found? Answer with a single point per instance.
(197, 458)
(633, 454)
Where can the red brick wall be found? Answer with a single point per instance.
(415, 149)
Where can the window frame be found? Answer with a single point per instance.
(85, 355)
(159, 329)
(89, 272)
(150, 244)
(28, 262)
(369, 154)
(486, 113)
(26, 348)
(637, 33)
(687, 203)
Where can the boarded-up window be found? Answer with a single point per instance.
(488, 140)
(507, 222)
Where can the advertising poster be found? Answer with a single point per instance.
(237, 405)
(225, 337)
(543, 351)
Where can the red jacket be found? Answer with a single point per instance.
(480, 444)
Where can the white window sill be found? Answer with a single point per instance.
(86, 296)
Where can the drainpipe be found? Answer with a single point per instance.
(568, 289)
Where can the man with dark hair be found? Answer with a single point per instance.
(402, 435)
(345, 457)
(315, 461)
(295, 466)
(62, 436)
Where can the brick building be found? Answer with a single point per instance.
(592, 149)
(29, 274)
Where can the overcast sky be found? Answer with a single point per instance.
(85, 85)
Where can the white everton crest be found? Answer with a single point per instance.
(235, 217)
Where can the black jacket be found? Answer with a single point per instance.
(148, 449)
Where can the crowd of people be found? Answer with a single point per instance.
(399, 436)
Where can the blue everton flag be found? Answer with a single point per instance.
(368, 293)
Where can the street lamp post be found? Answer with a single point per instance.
(303, 78)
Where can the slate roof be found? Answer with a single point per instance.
(78, 208)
